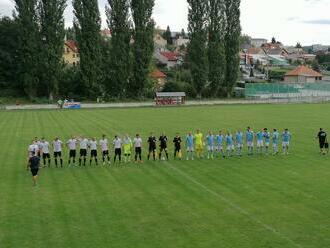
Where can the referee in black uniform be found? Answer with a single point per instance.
(322, 137)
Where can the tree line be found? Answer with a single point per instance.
(31, 51)
(214, 30)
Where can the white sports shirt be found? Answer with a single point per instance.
(83, 144)
(137, 142)
(104, 144)
(57, 145)
(45, 147)
(117, 143)
(93, 145)
(72, 143)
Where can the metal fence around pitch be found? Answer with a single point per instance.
(289, 92)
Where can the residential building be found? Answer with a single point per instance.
(181, 41)
(159, 42)
(302, 74)
(257, 42)
(168, 59)
(159, 77)
(256, 55)
(71, 53)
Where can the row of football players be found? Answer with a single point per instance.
(194, 144)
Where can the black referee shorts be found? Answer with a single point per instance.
(34, 172)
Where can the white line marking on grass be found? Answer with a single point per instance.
(235, 206)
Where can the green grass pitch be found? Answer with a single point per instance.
(239, 202)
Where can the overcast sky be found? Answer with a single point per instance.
(290, 21)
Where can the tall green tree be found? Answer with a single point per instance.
(168, 36)
(28, 45)
(216, 47)
(183, 33)
(9, 82)
(232, 44)
(52, 38)
(87, 24)
(119, 23)
(197, 49)
(143, 45)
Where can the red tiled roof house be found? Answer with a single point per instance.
(302, 74)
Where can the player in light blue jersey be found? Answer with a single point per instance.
(219, 140)
(286, 138)
(249, 135)
(239, 142)
(190, 146)
(275, 140)
(210, 145)
(229, 144)
(267, 140)
(260, 141)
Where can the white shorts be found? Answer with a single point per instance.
(285, 144)
(239, 146)
(219, 148)
(230, 147)
(260, 143)
(250, 143)
(210, 148)
(190, 149)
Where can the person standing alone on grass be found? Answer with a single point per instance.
(57, 146)
(322, 136)
(34, 164)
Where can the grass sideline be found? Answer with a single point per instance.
(239, 202)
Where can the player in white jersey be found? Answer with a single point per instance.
(138, 148)
(45, 151)
(33, 148)
(57, 147)
(117, 145)
(93, 147)
(72, 145)
(83, 144)
(105, 149)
